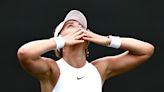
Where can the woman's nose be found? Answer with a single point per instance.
(80, 26)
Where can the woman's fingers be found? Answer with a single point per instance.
(79, 36)
(78, 33)
(82, 34)
(88, 39)
(90, 34)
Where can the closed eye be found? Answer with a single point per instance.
(69, 25)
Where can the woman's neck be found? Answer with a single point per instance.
(74, 56)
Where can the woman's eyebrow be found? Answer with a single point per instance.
(71, 21)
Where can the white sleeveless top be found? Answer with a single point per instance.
(84, 79)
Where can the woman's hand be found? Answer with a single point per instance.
(96, 38)
(74, 37)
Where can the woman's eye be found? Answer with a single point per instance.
(69, 26)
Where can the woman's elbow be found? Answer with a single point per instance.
(22, 53)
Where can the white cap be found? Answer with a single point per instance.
(72, 15)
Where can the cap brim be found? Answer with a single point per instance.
(72, 15)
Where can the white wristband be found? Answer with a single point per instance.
(115, 42)
(59, 42)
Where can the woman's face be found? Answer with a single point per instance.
(71, 26)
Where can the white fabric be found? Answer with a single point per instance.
(84, 79)
(59, 42)
(72, 15)
(115, 42)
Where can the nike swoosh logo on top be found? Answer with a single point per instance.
(78, 78)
